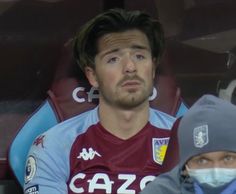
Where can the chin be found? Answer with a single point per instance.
(131, 103)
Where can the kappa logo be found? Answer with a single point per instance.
(88, 154)
(39, 141)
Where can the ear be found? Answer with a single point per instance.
(184, 172)
(91, 76)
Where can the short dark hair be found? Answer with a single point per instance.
(116, 20)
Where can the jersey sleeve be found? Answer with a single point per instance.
(46, 167)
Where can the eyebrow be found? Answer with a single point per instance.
(109, 52)
(139, 47)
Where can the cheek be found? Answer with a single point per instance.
(107, 80)
(149, 74)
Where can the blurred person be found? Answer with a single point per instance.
(226, 86)
(207, 148)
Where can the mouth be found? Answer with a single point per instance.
(131, 84)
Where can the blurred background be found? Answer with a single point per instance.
(200, 47)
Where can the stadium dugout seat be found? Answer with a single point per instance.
(70, 94)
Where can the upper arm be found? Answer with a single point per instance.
(46, 168)
(166, 183)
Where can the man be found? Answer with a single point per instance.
(207, 147)
(121, 145)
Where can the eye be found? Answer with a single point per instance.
(112, 60)
(229, 158)
(140, 57)
(199, 162)
(202, 161)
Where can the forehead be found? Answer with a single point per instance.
(120, 40)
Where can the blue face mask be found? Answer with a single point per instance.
(215, 177)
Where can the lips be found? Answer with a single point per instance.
(130, 83)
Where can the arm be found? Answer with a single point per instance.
(167, 183)
(46, 167)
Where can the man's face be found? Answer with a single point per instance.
(221, 159)
(124, 69)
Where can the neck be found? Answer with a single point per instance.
(123, 123)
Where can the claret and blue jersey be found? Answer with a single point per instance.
(80, 156)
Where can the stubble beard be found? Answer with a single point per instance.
(128, 100)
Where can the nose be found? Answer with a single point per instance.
(217, 164)
(129, 66)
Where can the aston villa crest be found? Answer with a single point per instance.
(159, 147)
(200, 136)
